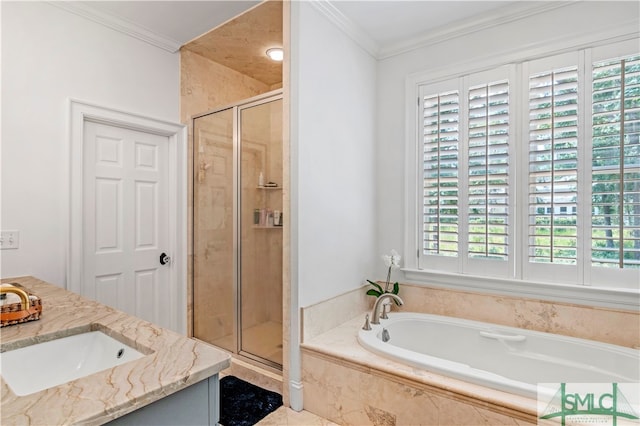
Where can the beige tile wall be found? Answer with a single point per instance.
(213, 297)
(326, 315)
(355, 395)
(261, 247)
(619, 327)
(205, 86)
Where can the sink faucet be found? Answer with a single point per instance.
(375, 315)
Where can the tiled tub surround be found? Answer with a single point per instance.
(175, 363)
(347, 384)
(618, 327)
(509, 359)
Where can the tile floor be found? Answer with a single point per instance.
(266, 340)
(285, 416)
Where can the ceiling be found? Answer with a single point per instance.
(240, 43)
(389, 23)
(178, 21)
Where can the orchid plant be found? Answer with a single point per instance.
(391, 261)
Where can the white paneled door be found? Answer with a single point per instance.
(126, 229)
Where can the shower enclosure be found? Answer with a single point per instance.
(237, 228)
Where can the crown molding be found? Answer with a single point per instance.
(471, 25)
(347, 26)
(123, 26)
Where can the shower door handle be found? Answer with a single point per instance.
(164, 259)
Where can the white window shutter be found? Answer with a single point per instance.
(615, 183)
(488, 171)
(569, 126)
(440, 147)
(553, 167)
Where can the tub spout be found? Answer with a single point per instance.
(375, 314)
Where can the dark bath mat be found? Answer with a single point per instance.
(244, 404)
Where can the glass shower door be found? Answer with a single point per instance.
(214, 292)
(261, 223)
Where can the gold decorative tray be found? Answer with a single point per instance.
(28, 308)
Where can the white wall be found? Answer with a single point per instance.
(333, 150)
(564, 26)
(49, 55)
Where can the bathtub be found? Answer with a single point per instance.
(509, 359)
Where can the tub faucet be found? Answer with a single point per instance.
(375, 315)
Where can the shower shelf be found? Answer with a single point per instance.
(269, 187)
(267, 227)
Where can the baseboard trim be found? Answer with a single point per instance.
(295, 395)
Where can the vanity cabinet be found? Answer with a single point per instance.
(199, 404)
(175, 382)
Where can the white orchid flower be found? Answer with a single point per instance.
(392, 260)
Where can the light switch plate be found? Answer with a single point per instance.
(9, 240)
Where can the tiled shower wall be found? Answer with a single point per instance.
(207, 85)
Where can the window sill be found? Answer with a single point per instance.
(626, 299)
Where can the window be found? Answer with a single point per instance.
(488, 170)
(440, 168)
(553, 165)
(466, 171)
(571, 209)
(615, 182)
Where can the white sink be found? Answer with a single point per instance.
(44, 365)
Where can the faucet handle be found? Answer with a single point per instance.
(366, 325)
(384, 310)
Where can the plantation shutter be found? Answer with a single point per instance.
(531, 171)
(488, 170)
(615, 183)
(553, 162)
(440, 148)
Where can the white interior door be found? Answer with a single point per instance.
(125, 221)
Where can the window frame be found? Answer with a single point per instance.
(585, 289)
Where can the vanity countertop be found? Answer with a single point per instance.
(175, 363)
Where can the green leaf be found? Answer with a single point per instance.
(396, 290)
(372, 292)
(376, 286)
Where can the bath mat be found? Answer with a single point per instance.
(245, 404)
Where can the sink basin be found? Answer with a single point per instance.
(44, 365)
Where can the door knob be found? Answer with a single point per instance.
(164, 259)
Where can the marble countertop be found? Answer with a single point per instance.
(175, 363)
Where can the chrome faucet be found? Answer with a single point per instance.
(375, 315)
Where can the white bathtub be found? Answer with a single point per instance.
(504, 358)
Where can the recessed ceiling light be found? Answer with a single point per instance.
(276, 53)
